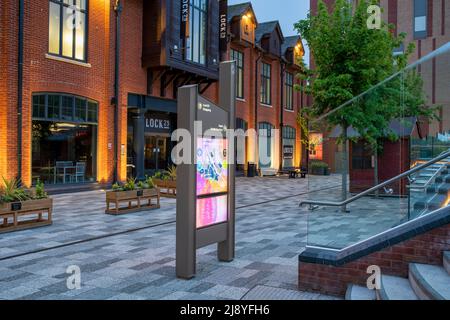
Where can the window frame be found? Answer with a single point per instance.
(84, 11)
(289, 91)
(239, 57)
(61, 118)
(189, 51)
(421, 34)
(266, 84)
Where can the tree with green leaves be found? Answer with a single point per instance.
(349, 59)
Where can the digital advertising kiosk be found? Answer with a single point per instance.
(206, 185)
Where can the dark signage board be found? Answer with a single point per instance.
(288, 152)
(205, 186)
(223, 26)
(184, 15)
(159, 123)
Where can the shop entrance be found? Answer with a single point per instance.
(156, 152)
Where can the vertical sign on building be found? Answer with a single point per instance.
(205, 186)
(184, 18)
(223, 28)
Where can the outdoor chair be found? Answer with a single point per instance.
(80, 172)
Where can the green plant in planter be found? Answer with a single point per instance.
(117, 187)
(130, 185)
(319, 165)
(149, 182)
(142, 185)
(172, 172)
(319, 168)
(11, 192)
(40, 190)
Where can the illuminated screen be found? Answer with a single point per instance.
(212, 179)
(212, 211)
(212, 167)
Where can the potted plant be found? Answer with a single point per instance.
(17, 202)
(319, 168)
(132, 191)
(167, 180)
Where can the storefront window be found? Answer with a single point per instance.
(64, 144)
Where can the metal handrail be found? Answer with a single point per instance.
(379, 186)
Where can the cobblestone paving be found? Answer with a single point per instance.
(140, 264)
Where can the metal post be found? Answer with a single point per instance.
(139, 143)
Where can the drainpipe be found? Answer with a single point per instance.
(20, 92)
(283, 70)
(117, 10)
(256, 110)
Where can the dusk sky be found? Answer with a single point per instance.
(287, 12)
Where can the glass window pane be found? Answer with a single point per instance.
(39, 106)
(80, 109)
(92, 112)
(53, 30)
(80, 34)
(67, 108)
(53, 107)
(68, 26)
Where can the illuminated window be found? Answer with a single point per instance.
(196, 42)
(67, 28)
(266, 96)
(289, 91)
(239, 57)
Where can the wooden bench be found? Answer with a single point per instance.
(294, 172)
(25, 215)
(136, 200)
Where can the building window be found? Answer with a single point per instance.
(64, 139)
(68, 28)
(289, 91)
(196, 42)
(239, 57)
(420, 19)
(266, 84)
(265, 144)
(68, 108)
(361, 156)
(288, 146)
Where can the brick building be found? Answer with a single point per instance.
(83, 103)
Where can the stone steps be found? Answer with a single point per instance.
(395, 288)
(359, 293)
(447, 261)
(425, 282)
(429, 282)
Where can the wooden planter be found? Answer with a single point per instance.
(25, 215)
(168, 188)
(136, 200)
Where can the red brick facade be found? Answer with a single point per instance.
(426, 248)
(94, 80)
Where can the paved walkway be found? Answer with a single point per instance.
(133, 256)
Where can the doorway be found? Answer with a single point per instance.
(156, 153)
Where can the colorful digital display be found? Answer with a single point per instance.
(212, 211)
(212, 179)
(212, 167)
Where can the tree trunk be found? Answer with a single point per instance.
(375, 169)
(344, 167)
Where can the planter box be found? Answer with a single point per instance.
(136, 200)
(168, 188)
(26, 214)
